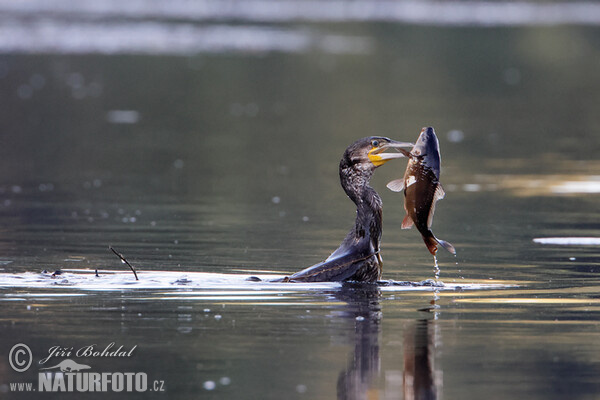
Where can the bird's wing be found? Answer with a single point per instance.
(335, 269)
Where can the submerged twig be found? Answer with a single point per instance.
(125, 261)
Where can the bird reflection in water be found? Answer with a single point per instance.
(357, 380)
(421, 381)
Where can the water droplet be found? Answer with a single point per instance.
(225, 380)
(301, 388)
(512, 76)
(572, 258)
(276, 200)
(360, 318)
(209, 385)
(305, 219)
(25, 92)
(75, 80)
(16, 189)
(207, 310)
(218, 316)
(471, 187)
(455, 136)
(122, 116)
(178, 163)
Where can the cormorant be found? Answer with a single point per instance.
(357, 258)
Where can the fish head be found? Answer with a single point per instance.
(427, 149)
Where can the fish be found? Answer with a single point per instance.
(422, 188)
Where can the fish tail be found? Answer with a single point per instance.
(448, 246)
(431, 242)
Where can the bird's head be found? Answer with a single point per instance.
(370, 152)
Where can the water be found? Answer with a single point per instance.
(205, 150)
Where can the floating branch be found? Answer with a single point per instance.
(124, 261)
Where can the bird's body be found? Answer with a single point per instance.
(358, 257)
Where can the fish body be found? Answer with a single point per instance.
(422, 188)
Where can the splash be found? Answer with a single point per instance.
(204, 283)
(436, 268)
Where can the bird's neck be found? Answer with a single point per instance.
(368, 203)
(369, 214)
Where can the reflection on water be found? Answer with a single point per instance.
(167, 38)
(416, 12)
(421, 379)
(364, 311)
(537, 185)
(184, 27)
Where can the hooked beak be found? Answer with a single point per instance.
(378, 157)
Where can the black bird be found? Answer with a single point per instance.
(357, 258)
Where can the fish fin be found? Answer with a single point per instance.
(438, 195)
(407, 222)
(397, 185)
(430, 217)
(448, 246)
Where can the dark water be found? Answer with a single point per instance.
(225, 160)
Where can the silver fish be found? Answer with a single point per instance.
(422, 188)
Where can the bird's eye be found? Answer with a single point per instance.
(375, 143)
